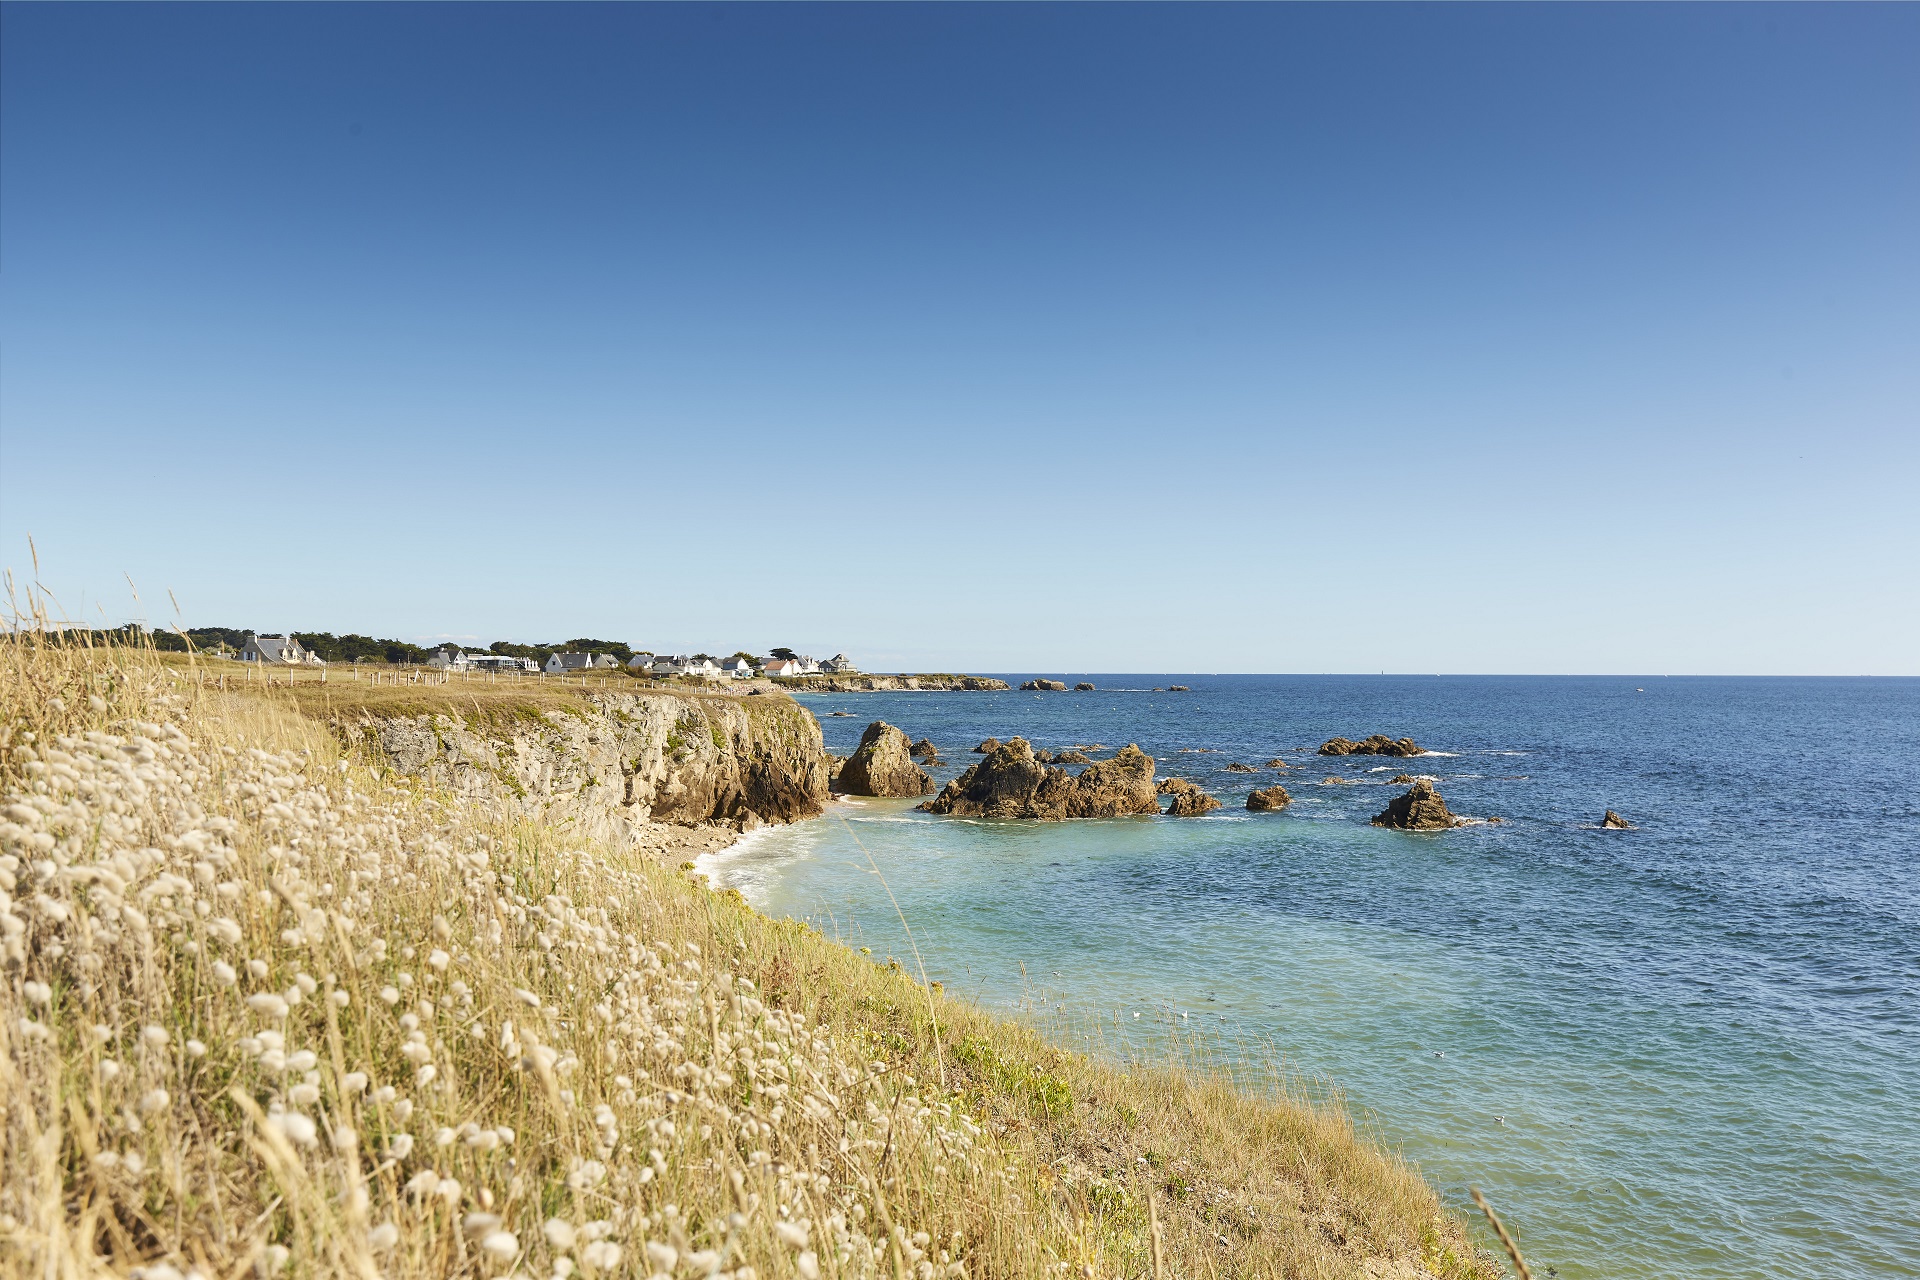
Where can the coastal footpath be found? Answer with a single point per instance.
(304, 981)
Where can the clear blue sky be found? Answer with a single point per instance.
(1316, 338)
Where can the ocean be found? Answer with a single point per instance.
(1687, 1050)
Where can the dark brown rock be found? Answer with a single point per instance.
(1269, 799)
(1420, 809)
(924, 750)
(882, 765)
(1185, 800)
(1045, 686)
(1073, 757)
(1083, 687)
(1614, 822)
(1010, 783)
(1237, 767)
(1378, 745)
(1178, 688)
(990, 745)
(1278, 763)
(1044, 757)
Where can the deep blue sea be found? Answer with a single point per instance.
(1688, 1050)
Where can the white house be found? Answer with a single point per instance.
(781, 667)
(701, 669)
(449, 657)
(281, 650)
(738, 668)
(499, 662)
(560, 664)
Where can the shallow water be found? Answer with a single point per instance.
(1688, 1050)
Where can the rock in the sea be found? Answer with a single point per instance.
(1043, 756)
(1401, 780)
(1083, 687)
(1040, 686)
(1237, 767)
(1378, 745)
(1614, 822)
(1269, 799)
(1185, 800)
(989, 746)
(1278, 763)
(882, 765)
(1178, 688)
(924, 750)
(1073, 757)
(1420, 809)
(847, 715)
(1010, 783)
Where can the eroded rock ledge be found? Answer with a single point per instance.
(613, 763)
(1377, 745)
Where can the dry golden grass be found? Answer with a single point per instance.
(263, 1012)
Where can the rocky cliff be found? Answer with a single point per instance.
(883, 684)
(613, 763)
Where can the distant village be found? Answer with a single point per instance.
(295, 649)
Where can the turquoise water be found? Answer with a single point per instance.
(1690, 1050)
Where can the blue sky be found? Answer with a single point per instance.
(1193, 338)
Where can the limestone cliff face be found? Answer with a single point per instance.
(884, 684)
(612, 763)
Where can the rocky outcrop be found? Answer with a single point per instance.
(1083, 687)
(1278, 763)
(1420, 809)
(925, 750)
(1053, 686)
(1073, 756)
(1614, 822)
(988, 747)
(891, 684)
(1178, 688)
(1269, 800)
(1378, 745)
(882, 765)
(1185, 800)
(1237, 767)
(607, 765)
(1010, 783)
(1044, 757)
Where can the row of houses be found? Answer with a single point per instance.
(284, 650)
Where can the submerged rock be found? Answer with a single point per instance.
(1378, 745)
(1083, 687)
(1010, 783)
(882, 765)
(1614, 822)
(1269, 799)
(1420, 809)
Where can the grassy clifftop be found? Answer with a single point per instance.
(262, 1011)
